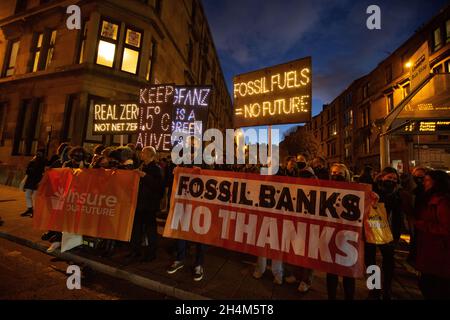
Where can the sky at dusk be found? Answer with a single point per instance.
(253, 34)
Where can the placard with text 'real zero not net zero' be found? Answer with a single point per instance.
(115, 117)
(276, 95)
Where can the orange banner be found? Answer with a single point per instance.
(92, 202)
(307, 222)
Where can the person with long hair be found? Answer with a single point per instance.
(433, 239)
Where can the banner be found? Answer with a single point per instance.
(91, 202)
(306, 222)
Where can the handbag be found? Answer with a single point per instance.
(376, 226)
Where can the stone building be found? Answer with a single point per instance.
(50, 75)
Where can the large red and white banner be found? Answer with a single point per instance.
(307, 222)
(92, 202)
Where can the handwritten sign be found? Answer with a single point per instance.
(275, 95)
(115, 118)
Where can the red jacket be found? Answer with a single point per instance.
(433, 238)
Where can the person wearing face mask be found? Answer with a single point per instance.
(319, 166)
(77, 156)
(387, 187)
(433, 236)
(340, 173)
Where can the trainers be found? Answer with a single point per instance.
(27, 213)
(177, 265)
(290, 279)
(53, 247)
(257, 274)
(304, 287)
(198, 273)
(278, 280)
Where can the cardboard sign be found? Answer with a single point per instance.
(307, 222)
(115, 118)
(276, 95)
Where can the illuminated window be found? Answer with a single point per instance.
(51, 48)
(107, 44)
(437, 39)
(37, 51)
(406, 90)
(42, 50)
(390, 102)
(83, 37)
(447, 66)
(131, 51)
(10, 58)
(28, 127)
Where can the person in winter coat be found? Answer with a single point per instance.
(61, 156)
(35, 171)
(433, 239)
(148, 205)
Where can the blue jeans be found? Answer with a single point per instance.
(199, 252)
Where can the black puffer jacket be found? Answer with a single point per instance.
(35, 171)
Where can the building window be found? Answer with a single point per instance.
(367, 145)
(365, 117)
(333, 130)
(447, 66)
(69, 117)
(347, 153)
(36, 51)
(447, 32)
(131, 51)
(107, 43)
(388, 73)
(151, 62)
(83, 37)
(437, 69)
(28, 128)
(21, 5)
(10, 58)
(366, 91)
(3, 107)
(406, 90)
(390, 102)
(437, 39)
(89, 138)
(42, 50)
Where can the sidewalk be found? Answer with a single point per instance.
(228, 275)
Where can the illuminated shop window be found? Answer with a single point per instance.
(107, 44)
(131, 51)
(10, 58)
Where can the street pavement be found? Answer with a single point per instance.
(228, 274)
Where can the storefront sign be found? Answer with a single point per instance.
(276, 95)
(317, 225)
(155, 117)
(115, 118)
(420, 66)
(191, 106)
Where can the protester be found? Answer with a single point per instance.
(61, 156)
(319, 166)
(366, 175)
(34, 173)
(339, 172)
(387, 186)
(290, 168)
(77, 159)
(418, 194)
(433, 240)
(149, 197)
(97, 153)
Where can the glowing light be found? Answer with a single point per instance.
(408, 65)
(106, 52)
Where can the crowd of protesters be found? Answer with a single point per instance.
(417, 203)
